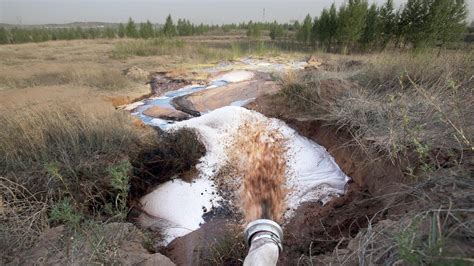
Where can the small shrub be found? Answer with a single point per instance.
(63, 212)
(120, 182)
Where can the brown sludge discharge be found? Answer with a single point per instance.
(262, 164)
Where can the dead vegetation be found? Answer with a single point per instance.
(398, 103)
(60, 165)
(413, 110)
(168, 156)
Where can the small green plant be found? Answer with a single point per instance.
(120, 182)
(63, 212)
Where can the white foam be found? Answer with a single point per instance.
(312, 173)
(235, 76)
(180, 205)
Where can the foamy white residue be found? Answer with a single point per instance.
(235, 76)
(180, 205)
(312, 174)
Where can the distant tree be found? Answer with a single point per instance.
(304, 32)
(332, 25)
(79, 33)
(314, 31)
(446, 20)
(351, 22)
(387, 23)
(369, 33)
(121, 30)
(321, 29)
(109, 33)
(20, 35)
(4, 36)
(413, 22)
(146, 30)
(276, 31)
(169, 30)
(253, 30)
(131, 29)
(184, 27)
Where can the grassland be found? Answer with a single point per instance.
(65, 151)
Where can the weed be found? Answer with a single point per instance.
(63, 212)
(120, 182)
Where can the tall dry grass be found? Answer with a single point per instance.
(396, 103)
(66, 133)
(85, 75)
(52, 154)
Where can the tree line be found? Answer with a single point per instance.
(356, 25)
(131, 29)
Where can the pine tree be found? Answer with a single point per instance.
(387, 23)
(276, 31)
(314, 31)
(184, 27)
(370, 29)
(109, 33)
(121, 30)
(253, 30)
(4, 38)
(146, 30)
(332, 25)
(321, 29)
(131, 29)
(351, 23)
(414, 22)
(304, 32)
(446, 20)
(169, 30)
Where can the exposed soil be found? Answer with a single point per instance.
(166, 113)
(331, 225)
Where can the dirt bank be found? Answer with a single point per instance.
(325, 227)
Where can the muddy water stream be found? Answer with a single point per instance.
(310, 173)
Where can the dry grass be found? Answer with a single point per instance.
(396, 103)
(83, 75)
(415, 109)
(436, 227)
(189, 51)
(50, 153)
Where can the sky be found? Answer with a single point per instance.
(206, 11)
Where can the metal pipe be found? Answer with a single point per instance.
(264, 237)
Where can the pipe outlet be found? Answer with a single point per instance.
(264, 238)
